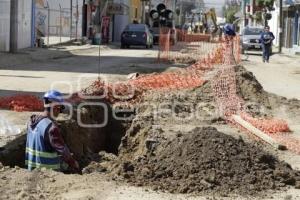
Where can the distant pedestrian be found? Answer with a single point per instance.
(266, 39)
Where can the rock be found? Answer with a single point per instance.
(128, 167)
(297, 185)
(52, 180)
(288, 197)
(22, 195)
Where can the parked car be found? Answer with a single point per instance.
(156, 34)
(251, 39)
(136, 35)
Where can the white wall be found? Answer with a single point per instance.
(274, 25)
(24, 24)
(120, 22)
(4, 24)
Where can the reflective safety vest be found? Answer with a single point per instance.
(37, 156)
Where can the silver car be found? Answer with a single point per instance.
(251, 39)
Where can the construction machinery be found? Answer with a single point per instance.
(206, 23)
(209, 21)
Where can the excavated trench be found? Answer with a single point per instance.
(101, 131)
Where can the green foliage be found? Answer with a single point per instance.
(230, 12)
(265, 3)
(258, 16)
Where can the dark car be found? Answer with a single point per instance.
(136, 35)
(251, 39)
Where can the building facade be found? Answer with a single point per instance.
(39, 20)
(24, 26)
(291, 25)
(291, 22)
(4, 24)
(136, 11)
(58, 21)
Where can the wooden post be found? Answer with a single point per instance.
(258, 132)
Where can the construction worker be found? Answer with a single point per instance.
(266, 39)
(229, 33)
(229, 30)
(44, 140)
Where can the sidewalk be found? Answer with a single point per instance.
(281, 76)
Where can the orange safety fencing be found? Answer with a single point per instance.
(189, 48)
(22, 103)
(183, 36)
(229, 103)
(222, 56)
(269, 126)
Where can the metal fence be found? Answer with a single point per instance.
(56, 24)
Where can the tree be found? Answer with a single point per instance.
(230, 12)
(268, 4)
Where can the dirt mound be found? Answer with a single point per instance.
(206, 161)
(249, 88)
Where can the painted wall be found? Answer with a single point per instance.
(120, 22)
(24, 24)
(4, 24)
(58, 18)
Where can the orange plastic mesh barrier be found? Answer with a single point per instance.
(182, 47)
(164, 44)
(267, 125)
(224, 87)
(21, 103)
(183, 36)
(289, 140)
(225, 55)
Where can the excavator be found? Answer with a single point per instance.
(207, 24)
(208, 16)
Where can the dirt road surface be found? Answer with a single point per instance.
(281, 76)
(70, 69)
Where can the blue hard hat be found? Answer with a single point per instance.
(229, 30)
(54, 96)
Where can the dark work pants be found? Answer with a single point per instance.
(266, 52)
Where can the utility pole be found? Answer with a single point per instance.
(13, 42)
(77, 16)
(280, 27)
(71, 18)
(243, 14)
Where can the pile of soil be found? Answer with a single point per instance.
(207, 161)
